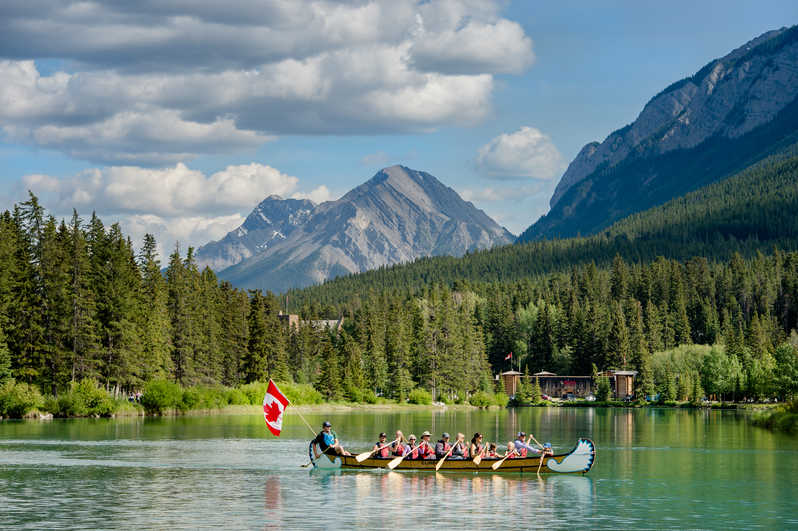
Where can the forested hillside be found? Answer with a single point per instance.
(77, 301)
(753, 211)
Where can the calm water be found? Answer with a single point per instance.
(656, 469)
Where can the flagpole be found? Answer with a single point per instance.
(306, 422)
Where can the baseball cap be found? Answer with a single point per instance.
(326, 424)
(445, 435)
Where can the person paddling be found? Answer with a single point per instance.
(522, 445)
(410, 448)
(326, 442)
(399, 447)
(511, 451)
(477, 448)
(460, 450)
(491, 453)
(425, 448)
(382, 450)
(442, 446)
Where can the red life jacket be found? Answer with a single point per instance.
(427, 452)
(413, 453)
(385, 451)
(521, 452)
(399, 449)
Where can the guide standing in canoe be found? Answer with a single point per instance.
(326, 442)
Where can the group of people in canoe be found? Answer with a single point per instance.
(413, 448)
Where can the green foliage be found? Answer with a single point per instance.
(481, 399)
(501, 399)
(160, 396)
(536, 396)
(603, 389)
(419, 396)
(17, 399)
(84, 399)
(784, 418)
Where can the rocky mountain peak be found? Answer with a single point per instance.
(398, 215)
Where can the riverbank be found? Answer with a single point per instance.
(784, 418)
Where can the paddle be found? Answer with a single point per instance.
(440, 463)
(497, 464)
(365, 455)
(396, 460)
(478, 458)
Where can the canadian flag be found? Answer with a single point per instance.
(508, 356)
(274, 403)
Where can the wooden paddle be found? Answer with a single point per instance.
(396, 460)
(497, 464)
(365, 455)
(478, 459)
(440, 463)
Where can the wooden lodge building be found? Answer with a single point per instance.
(293, 322)
(621, 383)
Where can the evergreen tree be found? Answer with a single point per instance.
(329, 381)
(536, 396)
(5, 358)
(82, 336)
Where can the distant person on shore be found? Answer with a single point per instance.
(382, 450)
(326, 442)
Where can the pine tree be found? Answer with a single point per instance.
(5, 358)
(254, 364)
(536, 395)
(155, 323)
(329, 381)
(619, 340)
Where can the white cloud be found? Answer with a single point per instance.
(176, 204)
(166, 192)
(525, 153)
(159, 81)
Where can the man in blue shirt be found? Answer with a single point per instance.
(326, 442)
(522, 445)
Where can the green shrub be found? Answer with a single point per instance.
(369, 396)
(444, 398)
(299, 394)
(481, 399)
(236, 397)
(161, 395)
(501, 399)
(18, 399)
(84, 399)
(254, 392)
(603, 389)
(419, 396)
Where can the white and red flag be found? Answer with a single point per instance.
(508, 356)
(274, 403)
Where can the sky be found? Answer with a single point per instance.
(176, 118)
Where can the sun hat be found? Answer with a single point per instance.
(426, 434)
(411, 438)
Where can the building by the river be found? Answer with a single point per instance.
(621, 383)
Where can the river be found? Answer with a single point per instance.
(655, 469)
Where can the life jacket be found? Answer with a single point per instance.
(399, 449)
(385, 451)
(460, 450)
(413, 453)
(491, 453)
(479, 449)
(427, 452)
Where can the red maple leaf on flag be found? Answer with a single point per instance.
(274, 403)
(272, 412)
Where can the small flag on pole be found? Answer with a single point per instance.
(274, 403)
(508, 356)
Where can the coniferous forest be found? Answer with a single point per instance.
(79, 300)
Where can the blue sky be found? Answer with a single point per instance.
(178, 121)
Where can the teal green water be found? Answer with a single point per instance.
(655, 469)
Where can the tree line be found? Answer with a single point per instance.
(78, 301)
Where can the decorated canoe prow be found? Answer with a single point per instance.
(579, 460)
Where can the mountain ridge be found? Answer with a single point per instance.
(398, 215)
(729, 114)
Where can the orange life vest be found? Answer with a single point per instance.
(385, 451)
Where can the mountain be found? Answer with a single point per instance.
(733, 112)
(749, 213)
(271, 221)
(397, 216)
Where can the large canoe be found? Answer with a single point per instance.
(578, 460)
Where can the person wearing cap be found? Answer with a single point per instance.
(522, 445)
(442, 446)
(425, 448)
(326, 442)
(382, 450)
(460, 450)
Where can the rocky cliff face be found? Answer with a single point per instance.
(271, 221)
(727, 104)
(397, 216)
